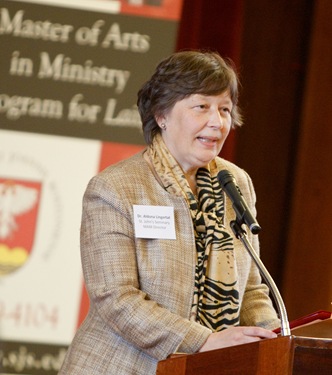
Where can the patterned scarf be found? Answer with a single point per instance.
(216, 297)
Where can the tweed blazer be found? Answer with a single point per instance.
(141, 290)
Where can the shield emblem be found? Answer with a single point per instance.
(19, 203)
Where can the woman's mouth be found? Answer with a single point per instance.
(208, 140)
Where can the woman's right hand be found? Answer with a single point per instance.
(236, 336)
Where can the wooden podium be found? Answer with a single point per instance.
(308, 351)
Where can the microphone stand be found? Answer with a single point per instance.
(241, 234)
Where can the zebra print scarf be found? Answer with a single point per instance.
(216, 297)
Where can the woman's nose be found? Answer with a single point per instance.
(216, 120)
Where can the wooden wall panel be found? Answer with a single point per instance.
(273, 67)
(307, 284)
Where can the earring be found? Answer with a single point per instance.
(163, 126)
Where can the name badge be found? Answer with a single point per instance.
(154, 222)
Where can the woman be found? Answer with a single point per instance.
(154, 294)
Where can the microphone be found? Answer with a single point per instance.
(243, 214)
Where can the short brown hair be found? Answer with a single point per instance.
(180, 75)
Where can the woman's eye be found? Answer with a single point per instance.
(225, 109)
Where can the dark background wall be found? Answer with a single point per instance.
(283, 55)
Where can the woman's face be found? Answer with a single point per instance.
(196, 129)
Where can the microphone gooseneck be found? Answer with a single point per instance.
(244, 216)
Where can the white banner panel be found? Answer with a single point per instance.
(42, 181)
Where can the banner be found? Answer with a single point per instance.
(76, 73)
(70, 72)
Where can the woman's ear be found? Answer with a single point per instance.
(161, 121)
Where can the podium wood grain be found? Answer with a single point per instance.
(307, 352)
(265, 357)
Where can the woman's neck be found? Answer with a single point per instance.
(191, 179)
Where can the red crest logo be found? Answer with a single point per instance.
(19, 203)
